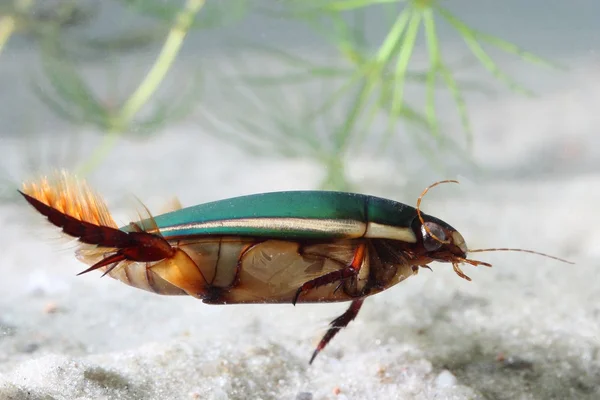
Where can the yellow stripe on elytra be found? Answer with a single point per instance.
(380, 231)
(347, 228)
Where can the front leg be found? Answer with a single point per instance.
(351, 270)
(337, 324)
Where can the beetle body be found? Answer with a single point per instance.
(262, 248)
(284, 247)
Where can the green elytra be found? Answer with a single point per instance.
(291, 208)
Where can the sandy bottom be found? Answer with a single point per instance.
(529, 328)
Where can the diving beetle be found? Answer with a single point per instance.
(282, 247)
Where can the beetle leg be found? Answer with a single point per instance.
(112, 259)
(335, 276)
(337, 324)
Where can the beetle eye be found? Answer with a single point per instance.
(429, 242)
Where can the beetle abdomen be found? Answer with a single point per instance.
(222, 270)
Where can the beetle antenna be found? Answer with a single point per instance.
(523, 251)
(421, 216)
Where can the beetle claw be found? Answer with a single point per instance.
(297, 295)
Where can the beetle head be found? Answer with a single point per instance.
(441, 242)
(438, 241)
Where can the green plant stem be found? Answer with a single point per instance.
(434, 62)
(163, 62)
(335, 178)
(7, 27)
(149, 85)
(404, 57)
(8, 23)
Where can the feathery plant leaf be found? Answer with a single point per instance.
(347, 5)
(385, 72)
(122, 120)
(434, 64)
(37, 20)
(506, 46)
(404, 56)
(173, 111)
(375, 82)
(125, 41)
(71, 98)
(368, 84)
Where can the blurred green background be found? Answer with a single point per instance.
(379, 77)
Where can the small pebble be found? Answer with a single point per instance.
(30, 347)
(304, 396)
(516, 363)
(51, 308)
(7, 329)
(217, 394)
(445, 379)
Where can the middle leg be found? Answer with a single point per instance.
(349, 271)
